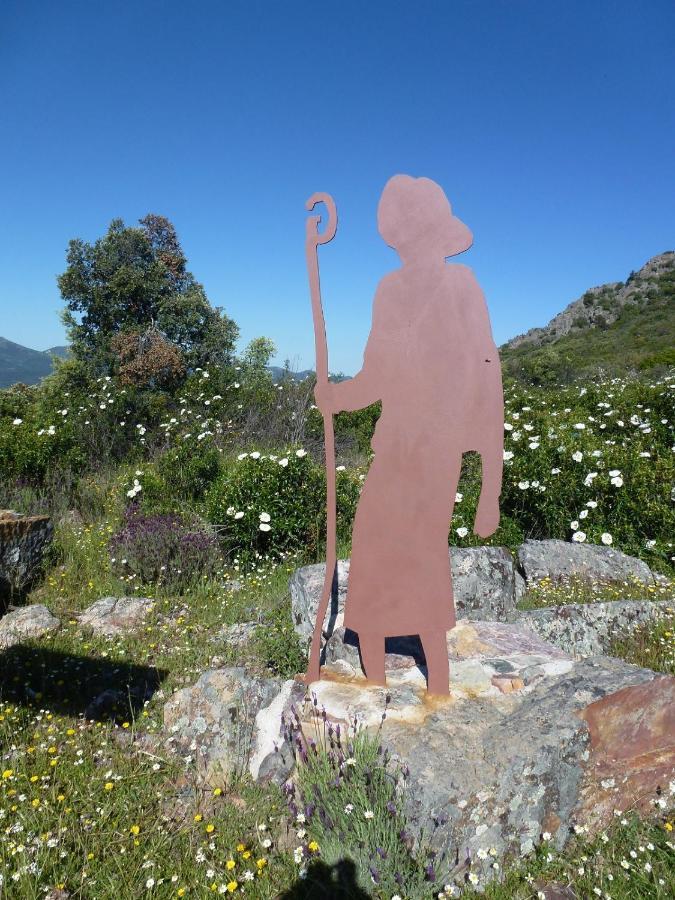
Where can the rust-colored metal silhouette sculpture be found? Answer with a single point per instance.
(432, 362)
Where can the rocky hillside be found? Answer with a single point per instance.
(615, 327)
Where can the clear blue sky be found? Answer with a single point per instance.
(551, 127)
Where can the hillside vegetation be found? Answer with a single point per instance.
(614, 329)
(174, 468)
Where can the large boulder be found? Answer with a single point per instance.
(561, 560)
(23, 540)
(26, 623)
(111, 616)
(230, 722)
(587, 629)
(530, 740)
(485, 582)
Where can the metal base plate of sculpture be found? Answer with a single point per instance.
(432, 362)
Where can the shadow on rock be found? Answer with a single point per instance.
(73, 685)
(324, 882)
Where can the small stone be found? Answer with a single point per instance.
(507, 685)
(111, 616)
(26, 623)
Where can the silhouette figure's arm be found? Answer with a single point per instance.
(366, 386)
(490, 415)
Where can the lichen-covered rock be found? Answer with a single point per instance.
(23, 540)
(485, 582)
(28, 622)
(588, 629)
(485, 585)
(111, 616)
(561, 560)
(229, 722)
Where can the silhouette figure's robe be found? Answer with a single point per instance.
(432, 361)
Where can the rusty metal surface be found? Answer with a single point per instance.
(432, 362)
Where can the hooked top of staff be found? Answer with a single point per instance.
(313, 222)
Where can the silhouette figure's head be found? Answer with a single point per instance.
(415, 218)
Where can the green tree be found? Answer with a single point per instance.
(135, 280)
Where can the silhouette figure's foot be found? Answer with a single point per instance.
(372, 658)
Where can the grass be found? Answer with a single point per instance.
(546, 593)
(88, 804)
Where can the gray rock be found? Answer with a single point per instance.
(23, 540)
(230, 722)
(485, 584)
(111, 616)
(305, 586)
(28, 622)
(587, 629)
(236, 636)
(560, 560)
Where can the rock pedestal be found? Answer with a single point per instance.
(530, 740)
(26, 623)
(111, 616)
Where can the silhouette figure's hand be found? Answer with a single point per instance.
(487, 518)
(324, 395)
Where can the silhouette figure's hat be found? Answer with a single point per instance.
(415, 217)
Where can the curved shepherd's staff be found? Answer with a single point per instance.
(312, 240)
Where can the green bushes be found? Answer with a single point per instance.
(273, 504)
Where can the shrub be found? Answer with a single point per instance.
(348, 798)
(188, 473)
(162, 549)
(267, 504)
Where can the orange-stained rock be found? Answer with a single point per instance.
(632, 749)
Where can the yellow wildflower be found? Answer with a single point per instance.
(210, 828)
(108, 786)
(230, 864)
(135, 829)
(232, 886)
(198, 817)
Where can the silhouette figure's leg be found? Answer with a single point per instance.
(372, 657)
(436, 654)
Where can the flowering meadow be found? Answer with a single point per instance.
(196, 501)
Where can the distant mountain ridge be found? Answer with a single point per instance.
(617, 327)
(18, 363)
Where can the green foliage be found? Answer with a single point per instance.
(276, 644)
(188, 475)
(271, 504)
(650, 646)
(351, 796)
